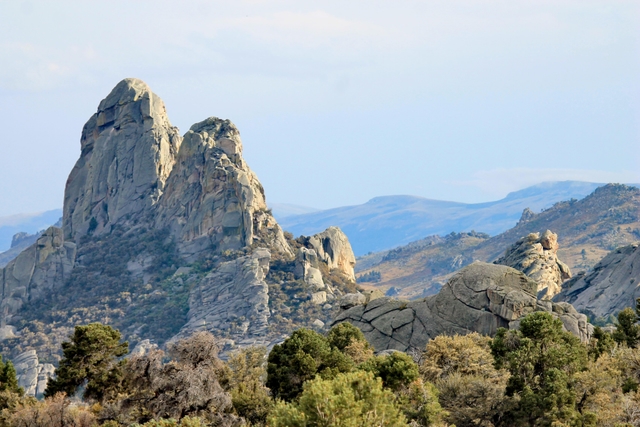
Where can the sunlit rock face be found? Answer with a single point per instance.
(128, 149)
(537, 256)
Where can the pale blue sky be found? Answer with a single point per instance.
(337, 102)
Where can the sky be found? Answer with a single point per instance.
(337, 102)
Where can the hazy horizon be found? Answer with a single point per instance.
(337, 103)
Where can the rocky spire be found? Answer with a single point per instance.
(128, 150)
(212, 200)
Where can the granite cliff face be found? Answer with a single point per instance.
(479, 298)
(165, 235)
(537, 257)
(611, 286)
(42, 267)
(212, 200)
(128, 149)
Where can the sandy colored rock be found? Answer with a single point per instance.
(307, 268)
(332, 247)
(611, 286)
(479, 298)
(537, 257)
(128, 149)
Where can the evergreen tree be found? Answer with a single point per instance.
(543, 360)
(627, 331)
(300, 358)
(9, 378)
(91, 359)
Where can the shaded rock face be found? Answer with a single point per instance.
(537, 257)
(479, 298)
(32, 375)
(128, 150)
(43, 266)
(232, 301)
(212, 200)
(332, 246)
(611, 286)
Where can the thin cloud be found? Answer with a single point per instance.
(499, 182)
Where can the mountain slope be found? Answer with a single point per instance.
(587, 230)
(390, 221)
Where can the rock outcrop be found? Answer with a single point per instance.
(32, 375)
(43, 266)
(612, 285)
(537, 257)
(332, 247)
(232, 301)
(212, 200)
(479, 298)
(128, 149)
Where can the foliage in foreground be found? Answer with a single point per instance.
(538, 375)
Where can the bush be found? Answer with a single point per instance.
(300, 358)
(350, 399)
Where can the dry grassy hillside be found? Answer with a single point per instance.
(587, 229)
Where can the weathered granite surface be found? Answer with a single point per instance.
(232, 301)
(332, 246)
(537, 257)
(212, 200)
(479, 298)
(32, 375)
(128, 149)
(42, 266)
(612, 285)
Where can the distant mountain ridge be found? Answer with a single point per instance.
(390, 221)
(587, 229)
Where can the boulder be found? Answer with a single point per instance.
(332, 247)
(128, 149)
(611, 286)
(32, 375)
(537, 257)
(479, 298)
(351, 300)
(307, 268)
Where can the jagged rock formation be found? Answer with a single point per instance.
(128, 150)
(32, 375)
(479, 298)
(611, 286)
(40, 268)
(212, 199)
(332, 246)
(153, 221)
(537, 257)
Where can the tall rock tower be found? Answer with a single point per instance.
(128, 149)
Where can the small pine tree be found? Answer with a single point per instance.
(90, 357)
(9, 378)
(627, 331)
